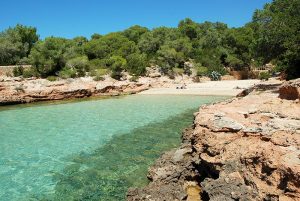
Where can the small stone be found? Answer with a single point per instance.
(252, 130)
(227, 180)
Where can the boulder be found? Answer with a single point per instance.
(290, 90)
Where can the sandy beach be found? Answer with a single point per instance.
(211, 88)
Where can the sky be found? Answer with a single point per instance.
(71, 18)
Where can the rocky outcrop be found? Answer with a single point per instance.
(290, 90)
(153, 71)
(242, 149)
(16, 91)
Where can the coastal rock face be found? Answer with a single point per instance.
(16, 90)
(241, 149)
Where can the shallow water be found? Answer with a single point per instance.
(88, 150)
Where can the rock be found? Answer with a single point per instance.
(226, 124)
(25, 91)
(229, 156)
(228, 77)
(252, 130)
(179, 154)
(153, 72)
(102, 85)
(154, 75)
(290, 90)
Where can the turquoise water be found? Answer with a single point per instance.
(88, 150)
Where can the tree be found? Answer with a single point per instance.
(117, 65)
(109, 45)
(16, 43)
(79, 64)
(188, 27)
(136, 64)
(239, 43)
(169, 58)
(96, 36)
(134, 33)
(149, 44)
(278, 39)
(49, 56)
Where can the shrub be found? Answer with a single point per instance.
(102, 71)
(51, 78)
(234, 62)
(99, 72)
(202, 71)
(18, 71)
(178, 71)
(215, 76)
(31, 72)
(80, 64)
(98, 78)
(136, 64)
(264, 75)
(117, 64)
(67, 73)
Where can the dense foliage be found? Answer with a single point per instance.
(278, 35)
(272, 36)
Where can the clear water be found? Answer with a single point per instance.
(88, 150)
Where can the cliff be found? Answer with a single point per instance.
(246, 148)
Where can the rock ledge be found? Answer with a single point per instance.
(245, 148)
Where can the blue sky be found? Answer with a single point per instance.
(70, 18)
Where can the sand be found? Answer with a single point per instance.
(211, 88)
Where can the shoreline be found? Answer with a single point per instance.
(210, 88)
(215, 161)
(19, 91)
(15, 91)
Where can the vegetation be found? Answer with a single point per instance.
(272, 36)
(264, 75)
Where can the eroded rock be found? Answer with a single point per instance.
(290, 90)
(241, 149)
(14, 91)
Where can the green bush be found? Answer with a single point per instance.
(31, 72)
(99, 73)
(102, 71)
(98, 63)
(98, 78)
(52, 78)
(117, 64)
(80, 64)
(234, 62)
(264, 75)
(201, 71)
(136, 64)
(178, 71)
(18, 71)
(67, 73)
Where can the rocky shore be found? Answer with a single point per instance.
(246, 148)
(17, 90)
